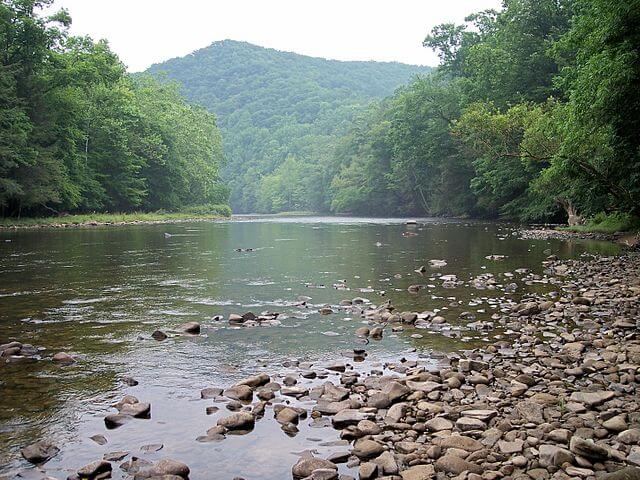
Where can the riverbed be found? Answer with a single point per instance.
(99, 293)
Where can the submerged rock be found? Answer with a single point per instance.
(190, 327)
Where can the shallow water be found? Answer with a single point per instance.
(98, 293)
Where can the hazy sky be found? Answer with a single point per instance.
(143, 32)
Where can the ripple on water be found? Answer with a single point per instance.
(130, 281)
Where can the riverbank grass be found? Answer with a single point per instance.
(608, 223)
(114, 218)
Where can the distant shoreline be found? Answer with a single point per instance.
(106, 219)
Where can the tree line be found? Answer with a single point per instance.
(78, 134)
(533, 114)
(281, 114)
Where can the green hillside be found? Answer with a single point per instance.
(280, 114)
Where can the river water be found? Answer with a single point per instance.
(98, 293)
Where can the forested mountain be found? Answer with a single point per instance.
(280, 114)
(533, 114)
(78, 134)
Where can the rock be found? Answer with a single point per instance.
(163, 468)
(239, 392)
(367, 471)
(114, 456)
(99, 439)
(483, 415)
(132, 382)
(379, 400)
(367, 427)
(627, 473)
(530, 411)
(159, 335)
(325, 474)
(115, 420)
(152, 447)
(305, 466)
(438, 424)
(134, 465)
(238, 421)
(588, 449)
(630, 437)
(509, 448)
(395, 390)
(461, 442)
(95, 470)
(419, 472)
(365, 448)
(333, 393)
(40, 452)
(466, 424)
(287, 415)
(137, 410)
(331, 408)
(387, 464)
(336, 367)
(348, 417)
(294, 391)
(616, 424)
(210, 392)
(255, 381)
(362, 332)
(190, 327)
(453, 464)
(592, 399)
(339, 457)
(63, 357)
(376, 333)
(395, 413)
(554, 456)
(561, 435)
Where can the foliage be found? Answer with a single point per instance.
(280, 111)
(78, 134)
(532, 115)
(208, 209)
(609, 223)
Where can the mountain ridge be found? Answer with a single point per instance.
(273, 104)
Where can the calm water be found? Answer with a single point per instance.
(99, 293)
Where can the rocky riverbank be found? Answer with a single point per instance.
(553, 395)
(631, 240)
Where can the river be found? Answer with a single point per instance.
(98, 293)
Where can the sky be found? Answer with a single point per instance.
(144, 32)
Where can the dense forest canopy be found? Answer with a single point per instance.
(79, 134)
(532, 114)
(281, 115)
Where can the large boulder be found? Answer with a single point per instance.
(238, 421)
(164, 468)
(97, 469)
(306, 465)
(40, 452)
(255, 381)
(453, 464)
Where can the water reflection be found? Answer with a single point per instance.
(99, 293)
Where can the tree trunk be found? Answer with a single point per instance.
(573, 217)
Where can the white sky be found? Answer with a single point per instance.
(143, 32)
